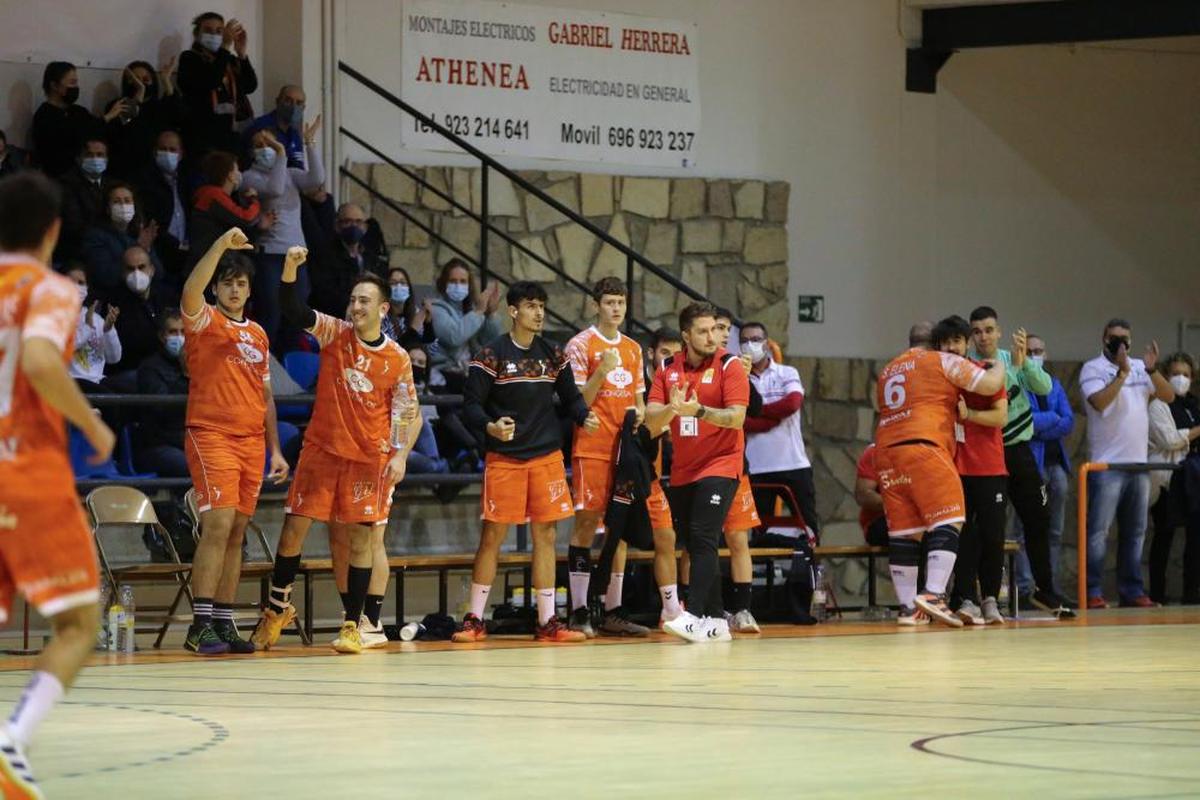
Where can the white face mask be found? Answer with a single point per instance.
(121, 212)
(137, 281)
(1181, 384)
(755, 350)
(1037, 361)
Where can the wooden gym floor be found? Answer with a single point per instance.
(1108, 708)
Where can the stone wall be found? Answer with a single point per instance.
(725, 238)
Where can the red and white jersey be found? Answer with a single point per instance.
(357, 389)
(621, 389)
(918, 397)
(35, 303)
(229, 363)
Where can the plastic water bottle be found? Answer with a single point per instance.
(411, 631)
(518, 597)
(128, 621)
(819, 595)
(116, 622)
(105, 600)
(560, 601)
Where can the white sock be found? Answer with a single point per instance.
(579, 589)
(939, 566)
(545, 605)
(670, 601)
(904, 579)
(40, 695)
(479, 596)
(613, 598)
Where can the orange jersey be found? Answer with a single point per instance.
(35, 303)
(229, 364)
(358, 389)
(619, 391)
(918, 397)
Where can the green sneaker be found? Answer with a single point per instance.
(227, 632)
(203, 641)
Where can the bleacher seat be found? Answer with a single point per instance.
(124, 454)
(303, 368)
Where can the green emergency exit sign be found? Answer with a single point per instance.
(810, 308)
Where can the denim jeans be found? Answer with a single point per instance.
(1058, 487)
(1125, 497)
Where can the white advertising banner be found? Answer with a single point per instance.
(552, 83)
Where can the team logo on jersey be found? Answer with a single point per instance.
(361, 490)
(557, 489)
(250, 353)
(357, 381)
(620, 377)
(708, 376)
(672, 377)
(511, 369)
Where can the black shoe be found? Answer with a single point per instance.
(227, 632)
(203, 641)
(1049, 601)
(581, 620)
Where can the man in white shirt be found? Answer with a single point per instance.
(1118, 390)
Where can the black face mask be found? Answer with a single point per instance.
(1114, 344)
(71, 95)
(420, 375)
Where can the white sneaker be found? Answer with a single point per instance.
(685, 626)
(372, 635)
(991, 612)
(744, 622)
(969, 613)
(716, 630)
(911, 616)
(16, 776)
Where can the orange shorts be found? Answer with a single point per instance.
(659, 508)
(516, 491)
(227, 471)
(47, 552)
(330, 488)
(743, 515)
(592, 480)
(920, 487)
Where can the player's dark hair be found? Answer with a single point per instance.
(694, 311)
(525, 290)
(1117, 322)
(610, 286)
(724, 313)
(205, 17)
(54, 72)
(983, 312)
(385, 290)
(755, 324)
(234, 265)
(664, 335)
(29, 204)
(952, 327)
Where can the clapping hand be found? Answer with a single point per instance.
(592, 423)
(1020, 347)
(1150, 356)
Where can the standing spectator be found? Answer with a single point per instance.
(142, 302)
(216, 82)
(1175, 439)
(215, 207)
(1053, 421)
(12, 158)
(279, 187)
(61, 125)
(1118, 389)
(96, 341)
(159, 444)
(463, 318)
(344, 257)
(161, 189)
(286, 123)
(150, 105)
(406, 322)
(104, 245)
(84, 187)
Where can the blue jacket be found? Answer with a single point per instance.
(1053, 421)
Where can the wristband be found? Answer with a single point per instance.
(700, 414)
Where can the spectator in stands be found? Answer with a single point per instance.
(104, 245)
(279, 187)
(286, 123)
(159, 444)
(1053, 421)
(463, 318)
(342, 258)
(12, 158)
(216, 80)
(425, 456)
(216, 208)
(96, 341)
(161, 190)
(61, 125)
(407, 323)
(1175, 439)
(150, 105)
(84, 187)
(142, 301)
(1118, 389)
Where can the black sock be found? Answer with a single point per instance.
(373, 607)
(282, 579)
(223, 612)
(741, 597)
(345, 603)
(683, 593)
(357, 581)
(202, 611)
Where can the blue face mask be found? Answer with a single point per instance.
(457, 292)
(293, 115)
(400, 293)
(174, 345)
(264, 157)
(167, 161)
(211, 41)
(94, 167)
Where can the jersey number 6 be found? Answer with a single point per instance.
(893, 392)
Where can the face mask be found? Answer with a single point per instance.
(1037, 361)
(420, 374)
(291, 114)
(121, 212)
(457, 292)
(174, 344)
(351, 234)
(211, 41)
(137, 281)
(167, 161)
(82, 292)
(264, 157)
(1114, 344)
(755, 350)
(400, 293)
(94, 166)
(1181, 384)
(71, 95)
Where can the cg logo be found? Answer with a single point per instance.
(620, 377)
(357, 381)
(251, 354)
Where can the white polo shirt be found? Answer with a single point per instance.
(782, 447)
(1122, 432)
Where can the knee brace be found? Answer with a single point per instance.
(903, 552)
(943, 537)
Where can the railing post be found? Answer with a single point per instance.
(483, 225)
(629, 291)
(1081, 523)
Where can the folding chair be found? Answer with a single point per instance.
(784, 496)
(261, 569)
(124, 505)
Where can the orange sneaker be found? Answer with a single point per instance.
(1097, 602)
(555, 631)
(473, 630)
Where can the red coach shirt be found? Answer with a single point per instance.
(980, 450)
(702, 450)
(868, 471)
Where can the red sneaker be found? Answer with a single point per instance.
(555, 631)
(1141, 601)
(473, 630)
(1097, 602)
